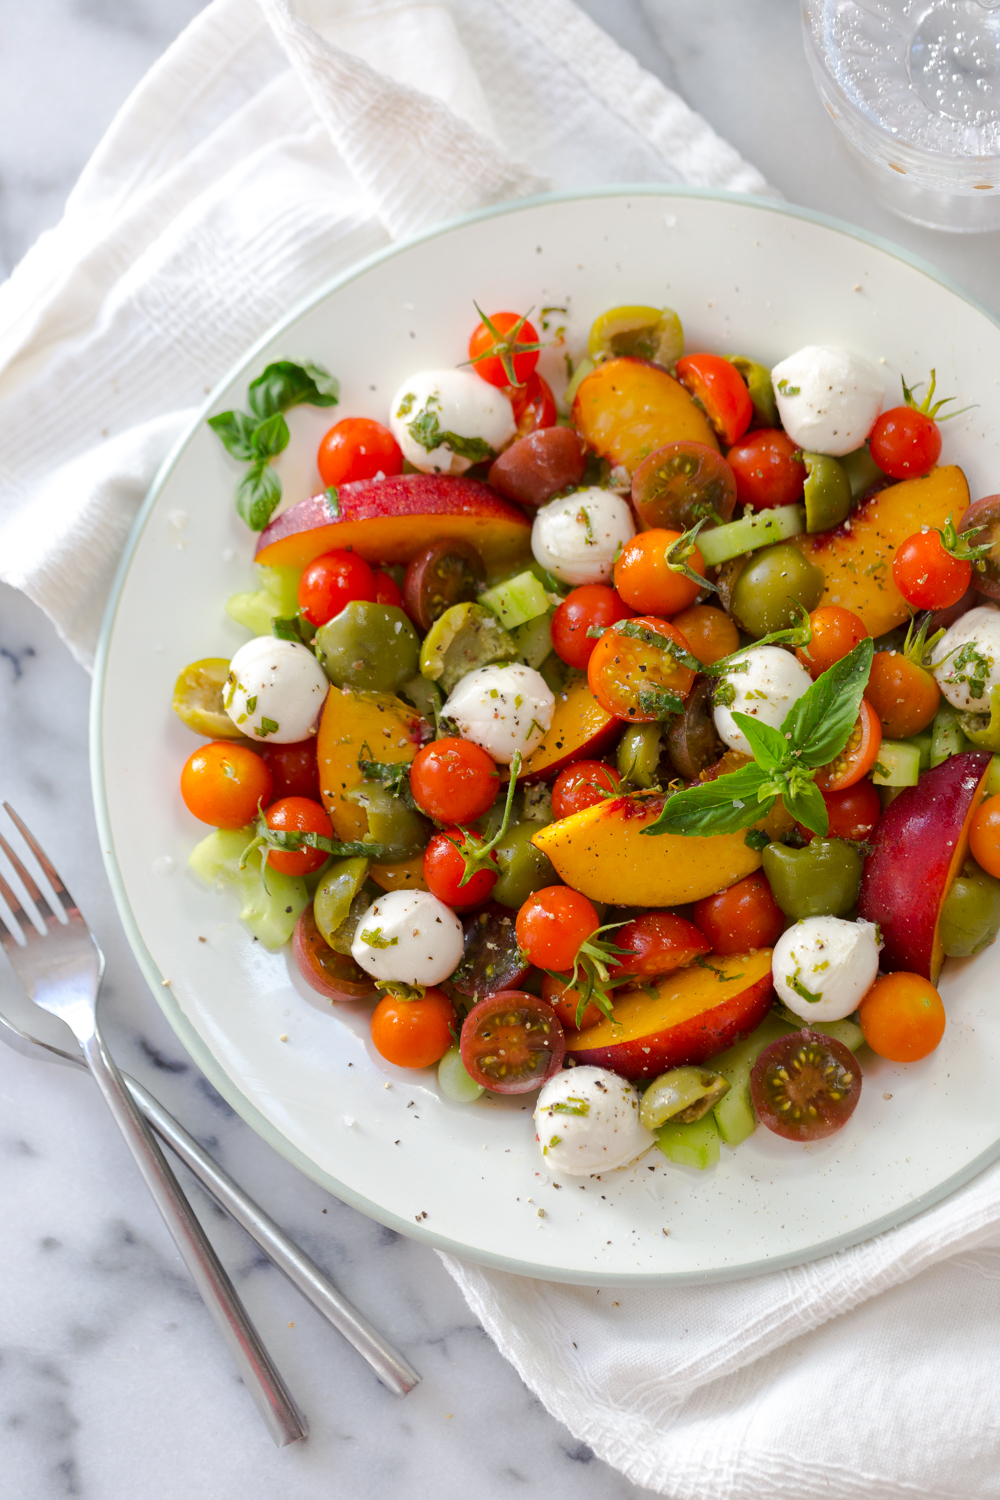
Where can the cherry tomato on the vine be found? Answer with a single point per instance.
(634, 676)
(453, 780)
(902, 693)
(414, 1033)
(926, 575)
(591, 605)
(358, 448)
(984, 836)
(332, 581)
(297, 815)
(905, 442)
(646, 581)
(552, 924)
(709, 632)
(583, 784)
(222, 784)
(294, 768)
(444, 870)
(498, 352)
(534, 405)
(769, 469)
(743, 917)
(853, 813)
(835, 633)
(858, 755)
(719, 387)
(902, 1017)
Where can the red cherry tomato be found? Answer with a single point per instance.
(719, 387)
(294, 768)
(453, 780)
(495, 352)
(591, 605)
(223, 784)
(853, 813)
(357, 448)
(332, 581)
(805, 1086)
(333, 975)
(743, 917)
(583, 784)
(534, 405)
(512, 1042)
(444, 870)
(858, 755)
(905, 442)
(552, 924)
(657, 942)
(387, 590)
(769, 469)
(297, 815)
(926, 575)
(414, 1033)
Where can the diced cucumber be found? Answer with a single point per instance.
(993, 777)
(690, 1143)
(516, 601)
(734, 1113)
(922, 743)
(750, 532)
(276, 599)
(271, 913)
(534, 640)
(898, 764)
(579, 375)
(846, 1031)
(947, 738)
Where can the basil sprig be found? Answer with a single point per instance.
(293, 842)
(257, 437)
(814, 732)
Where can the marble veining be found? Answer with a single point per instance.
(113, 1385)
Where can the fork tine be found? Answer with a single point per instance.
(20, 916)
(24, 876)
(51, 873)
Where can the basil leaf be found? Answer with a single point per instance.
(287, 629)
(806, 805)
(257, 494)
(235, 429)
(427, 431)
(721, 806)
(821, 721)
(768, 746)
(269, 437)
(285, 384)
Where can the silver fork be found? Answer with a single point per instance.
(61, 972)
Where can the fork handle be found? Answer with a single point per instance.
(254, 1364)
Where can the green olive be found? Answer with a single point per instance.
(368, 646)
(827, 492)
(820, 880)
(337, 888)
(465, 637)
(770, 585)
(861, 469)
(680, 1095)
(198, 699)
(970, 916)
(643, 332)
(639, 754)
(397, 829)
(757, 379)
(425, 696)
(523, 868)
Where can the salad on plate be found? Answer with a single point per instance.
(639, 748)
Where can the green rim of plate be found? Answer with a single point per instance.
(190, 1038)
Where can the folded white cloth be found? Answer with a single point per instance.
(269, 148)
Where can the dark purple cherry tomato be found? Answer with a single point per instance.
(538, 466)
(682, 482)
(512, 1042)
(334, 975)
(493, 960)
(985, 513)
(693, 742)
(805, 1085)
(448, 573)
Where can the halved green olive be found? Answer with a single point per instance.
(827, 493)
(757, 379)
(336, 890)
(368, 646)
(465, 637)
(681, 1095)
(396, 828)
(643, 332)
(767, 590)
(639, 754)
(861, 469)
(198, 699)
(970, 916)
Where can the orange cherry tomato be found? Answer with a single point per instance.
(836, 632)
(565, 1001)
(902, 1017)
(904, 695)
(635, 678)
(719, 387)
(743, 917)
(414, 1033)
(298, 815)
(358, 448)
(709, 632)
(858, 755)
(647, 582)
(223, 784)
(552, 924)
(984, 836)
(583, 784)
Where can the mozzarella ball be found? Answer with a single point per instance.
(503, 709)
(587, 1121)
(967, 657)
(408, 936)
(828, 399)
(275, 691)
(827, 957)
(766, 690)
(578, 536)
(455, 402)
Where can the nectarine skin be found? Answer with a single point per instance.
(918, 847)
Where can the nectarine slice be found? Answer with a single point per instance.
(579, 728)
(627, 408)
(695, 1013)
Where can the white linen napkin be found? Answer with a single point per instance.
(268, 149)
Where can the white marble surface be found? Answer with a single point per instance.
(112, 1382)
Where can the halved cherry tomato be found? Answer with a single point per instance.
(657, 942)
(294, 769)
(358, 448)
(565, 1001)
(805, 1086)
(223, 784)
(858, 755)
(926, 575)
(498, 354)
(769, 469)
(647, 582)
(387, 590)
(492, 960)
(534, 404)
(905, 442)
(743, 917)
(583, 784)
(636, 678)
(446, 573)
(852, 813)
(835, 633)
(719, 387)
(333, 975)
(414, 1033)
(984, 836)
(681, 483)
(444, 870)
(297, 815)
(709, 632)
(552, 924)
(332, 581)
(454, 780)
(512, 1042)
(903, 694)
(902, 1017)
(590, 606)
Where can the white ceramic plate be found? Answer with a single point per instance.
(745, 276)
